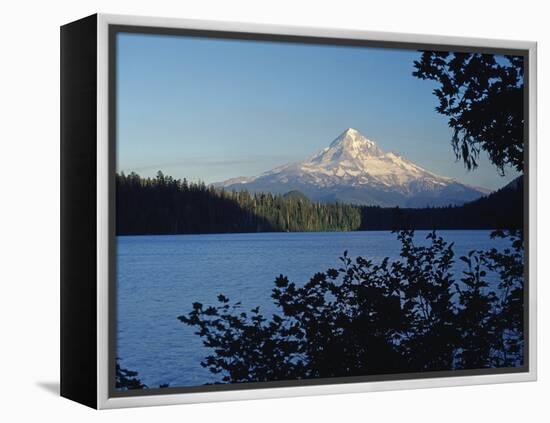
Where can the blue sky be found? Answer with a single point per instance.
(214, 109)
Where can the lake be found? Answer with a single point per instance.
(159, 277)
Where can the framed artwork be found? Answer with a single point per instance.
(253, 211)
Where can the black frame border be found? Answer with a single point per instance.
(115, 29)
(78, 211)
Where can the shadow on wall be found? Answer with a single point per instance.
(51, 387)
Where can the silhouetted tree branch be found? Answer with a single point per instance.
(363, 318)
(482, 94)
(127, 379)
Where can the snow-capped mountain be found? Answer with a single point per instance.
(353, 169)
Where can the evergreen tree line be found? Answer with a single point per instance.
(502, 209)
(164, 205)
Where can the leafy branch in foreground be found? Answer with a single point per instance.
(127, 379)
(407, 315)
(482, 95)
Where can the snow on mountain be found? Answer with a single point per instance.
(353, 169)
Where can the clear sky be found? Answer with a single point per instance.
(213, 109)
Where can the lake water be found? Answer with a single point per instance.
(159, 277)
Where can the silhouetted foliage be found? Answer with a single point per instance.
(482, 94)
(164, 205)
(127, 379)
(491, 322)
(365, 318)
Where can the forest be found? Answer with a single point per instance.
(165, 205)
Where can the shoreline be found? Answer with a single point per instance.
(310, 232)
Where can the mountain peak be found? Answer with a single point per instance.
(350, 131)
(354, 141)
(354, 169)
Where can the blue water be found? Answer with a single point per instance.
(159, 277)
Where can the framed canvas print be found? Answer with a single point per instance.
(253, 211)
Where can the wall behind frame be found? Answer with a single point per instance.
(30, 223)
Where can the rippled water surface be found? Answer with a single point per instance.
(159, 277)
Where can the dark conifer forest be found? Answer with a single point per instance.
(164, 205)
